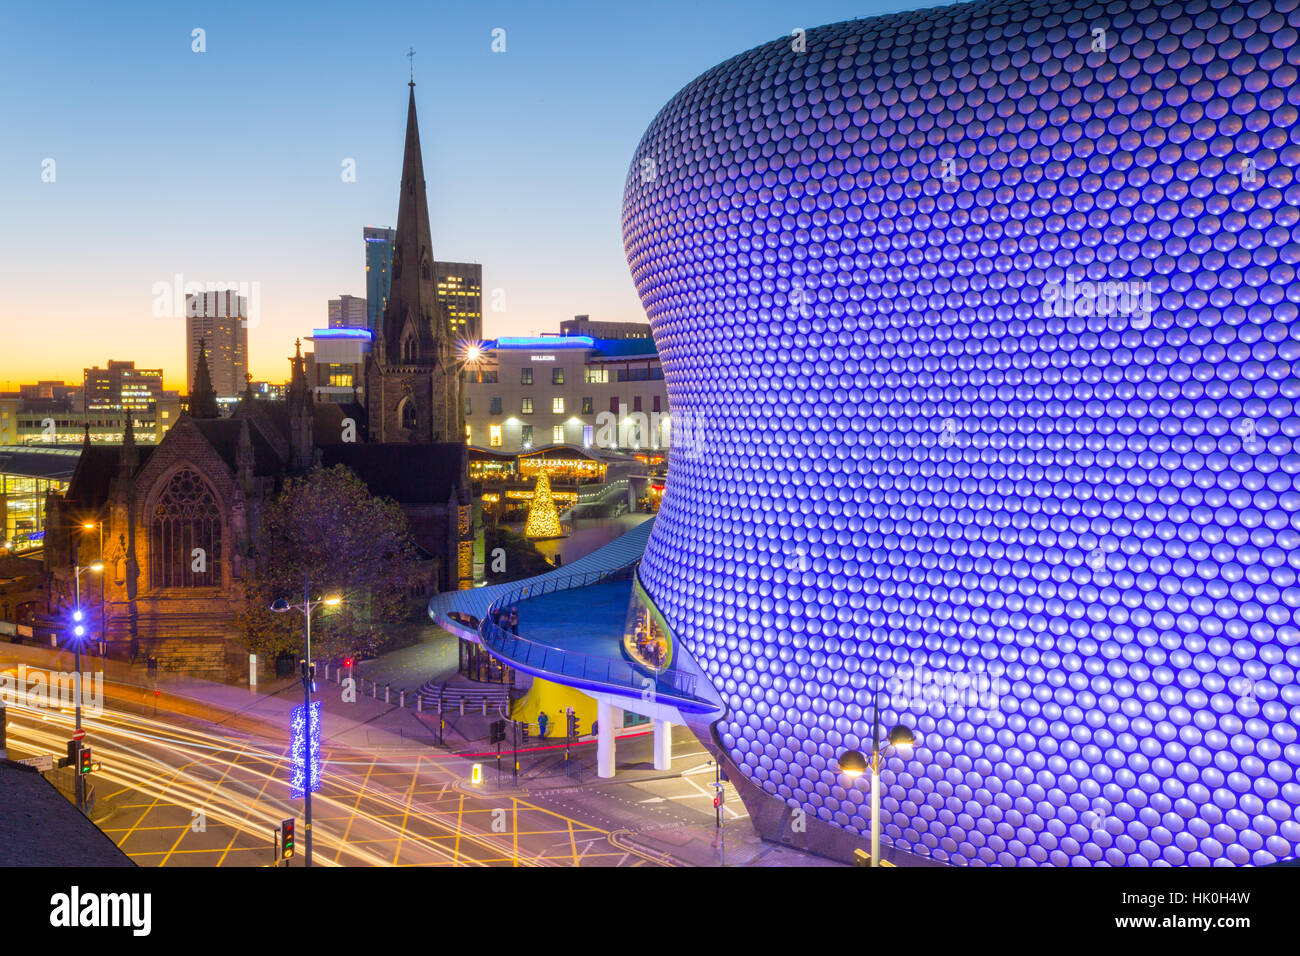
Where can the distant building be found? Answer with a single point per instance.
(10, 405)
(46, 389)
(267, 391)
(347, 312)
(120, 386)
(27, 475)
(218, 319)
(337, 369)
(527, 393)
(379, 272)
(460, 296)
(582, 325)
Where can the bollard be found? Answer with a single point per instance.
(374, 690)
(419, 704)
(386, 689)
(401, 699)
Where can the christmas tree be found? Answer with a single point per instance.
(543, 519)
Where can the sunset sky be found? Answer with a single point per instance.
(224, 166)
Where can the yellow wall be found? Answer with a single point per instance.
(554, 699)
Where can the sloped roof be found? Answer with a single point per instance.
(408, 472)
(327, 419)
(96, 469)
(223, 435)
(39, 827)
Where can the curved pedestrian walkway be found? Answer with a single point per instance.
(461, 611)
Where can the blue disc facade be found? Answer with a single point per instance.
(918, 438)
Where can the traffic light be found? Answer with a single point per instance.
(573, 724)
(498, 731)
(523, 732)
(348, 662)
(84, 765)
(286, 839)
(71, 759)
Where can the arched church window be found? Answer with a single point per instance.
(408, 413)
(185, 535)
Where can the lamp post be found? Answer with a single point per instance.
(853, 764)
(307, 606)
(79, 632)
(103, 636)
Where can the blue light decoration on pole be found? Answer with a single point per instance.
(979, 329)
(304, 748)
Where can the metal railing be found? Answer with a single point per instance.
(594, 667)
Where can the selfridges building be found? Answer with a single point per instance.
(979, 330)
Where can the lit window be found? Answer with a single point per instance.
(557, 376)
(526, 406)
(588, 406)
(469, 435)
(557, 406)
(587, 432)
(557, 434)
(527, 436)
(494, 436)
(526, 376)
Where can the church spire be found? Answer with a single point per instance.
(203, 397)
(412, 387)
(411, 329)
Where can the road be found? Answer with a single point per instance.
(182, 793)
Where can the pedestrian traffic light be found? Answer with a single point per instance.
(84, 766)
(286, 839)
(523, 731)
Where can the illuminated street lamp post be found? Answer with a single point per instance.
(103, 636)
(78, 633)
(853, 764)
(307, 606)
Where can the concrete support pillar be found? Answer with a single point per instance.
(604, 738)
(663, 744)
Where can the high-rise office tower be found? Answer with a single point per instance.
(218, 319)
(347, 312)
(460, 298)
(379, 275)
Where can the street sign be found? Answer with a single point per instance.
(78, 734)
(43, 762)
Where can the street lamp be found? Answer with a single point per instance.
(78, 633)
(103, 635)
(853, 765)
(307, 606)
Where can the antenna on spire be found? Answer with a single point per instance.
(411, 56)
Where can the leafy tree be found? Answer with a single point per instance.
(521, 558)
(328, 528)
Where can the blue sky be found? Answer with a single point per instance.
(225, 165)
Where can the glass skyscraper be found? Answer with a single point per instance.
(379, 278)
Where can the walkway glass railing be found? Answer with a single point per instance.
(593, 667)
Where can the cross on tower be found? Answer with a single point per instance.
(411, 56)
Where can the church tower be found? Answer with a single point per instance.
(412, 392)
